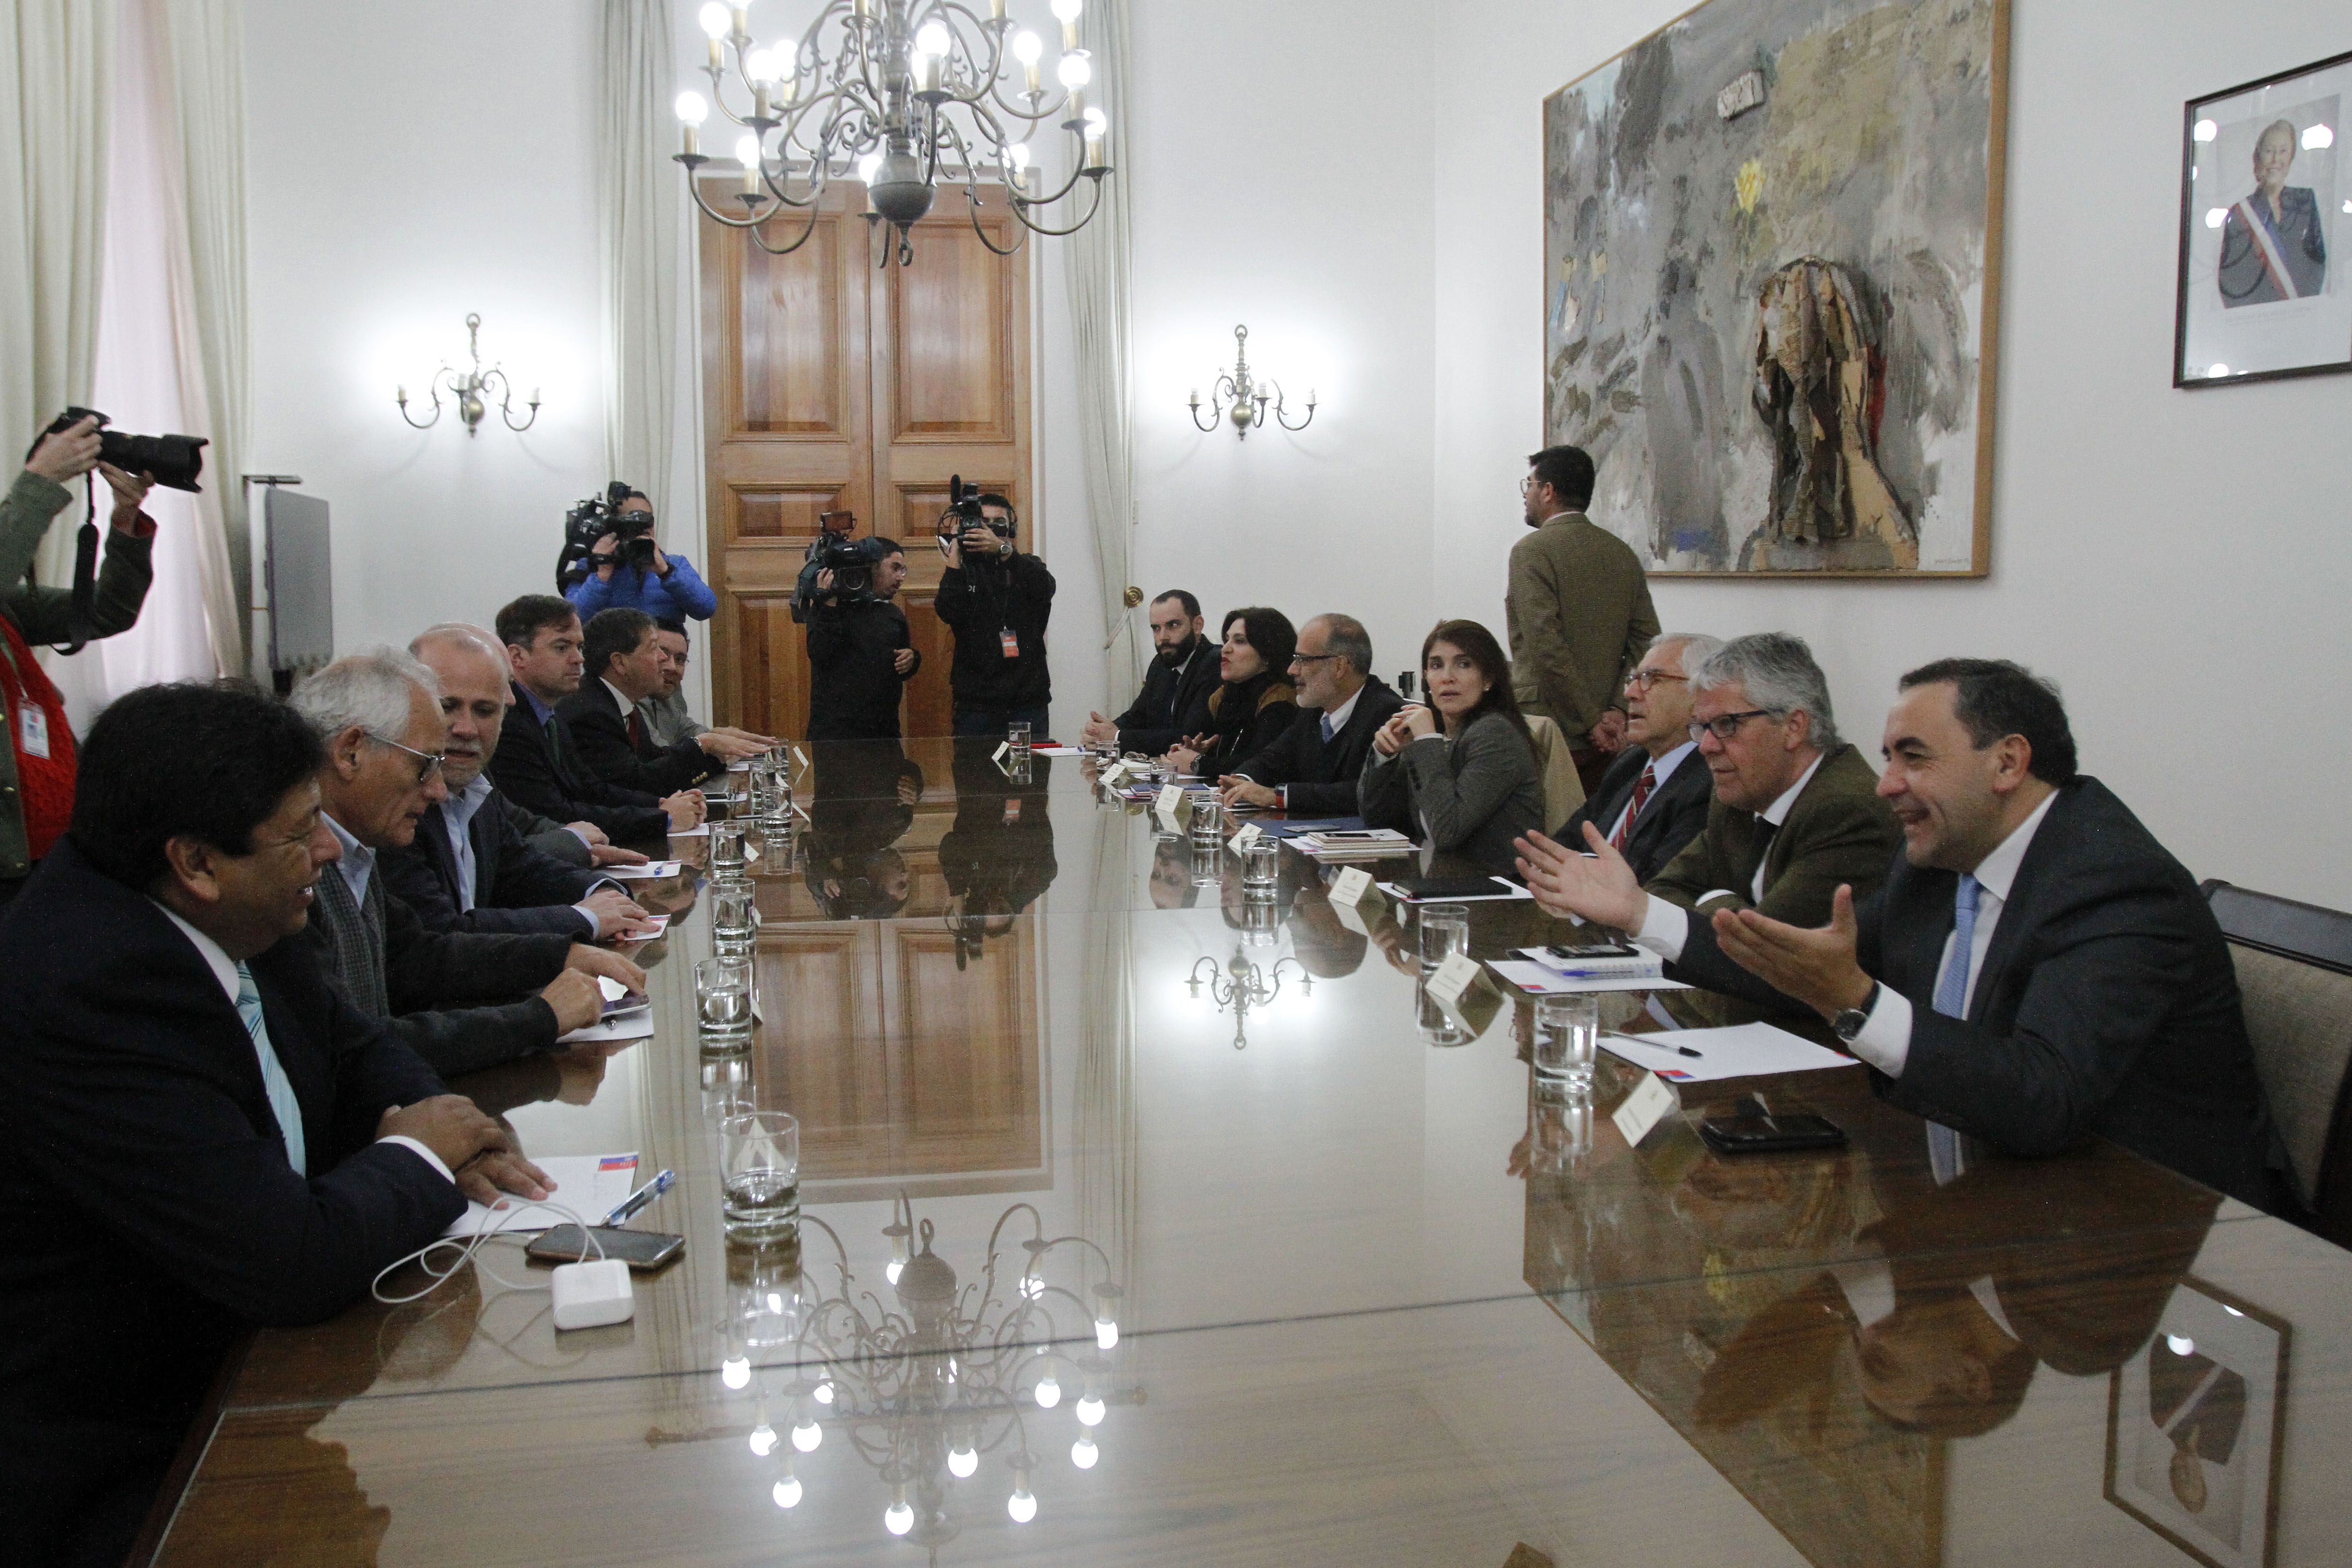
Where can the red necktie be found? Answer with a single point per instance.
(637, 733)
(1642, 788)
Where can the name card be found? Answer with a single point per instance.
(1353, 884)
(1170, 797)
(998, 755)
(1644, 1109)
(1250, 833)
(800, 756)
(1452, 977)
(1115, 774)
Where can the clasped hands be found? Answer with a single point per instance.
(480, 1154)
(1816, 967)
(1409, 724)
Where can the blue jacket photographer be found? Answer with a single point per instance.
(860, 648)
(996, 601)
(610, 561)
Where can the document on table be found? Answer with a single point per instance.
(636, 1024)
(591, 1185)
(1538, 981)
(699, 830)
(652, 870)
(1743, 1050)
(1504, 891)
(1049, 749)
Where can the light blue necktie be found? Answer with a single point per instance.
(1952, 1001)
(1327, 731)
(274, 1082)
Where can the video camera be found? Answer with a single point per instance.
(963, 511)
(851, 562)
(175, 461)
(592, 519)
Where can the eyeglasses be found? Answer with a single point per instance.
(1528, 485)
(1646, 678)
(1311, 658)
(1727, 725)
(427, 762)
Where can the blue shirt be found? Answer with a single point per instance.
(678, 597)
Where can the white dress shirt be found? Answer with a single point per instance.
(628, 703)
(1885, 1042)
(1666, 927)
(223, 969)
(358, 862)
(1660, 770)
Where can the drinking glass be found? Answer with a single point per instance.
(1208, 864)
(1261, 861)
(1208, 821)
(1568, 1031)
(722, 995)
(760, 1167)
(728, 859)
(1017, 736)
(1445, 931)
(734, 918)
(739, 787)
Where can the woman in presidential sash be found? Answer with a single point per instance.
(2272, 247)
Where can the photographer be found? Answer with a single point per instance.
(996, 601)
(37, 777)
(625, 570)
(859, 646)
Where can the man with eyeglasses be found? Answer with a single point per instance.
(1312, 766)
(1796, 812)
(452, 996)
(1654, 797)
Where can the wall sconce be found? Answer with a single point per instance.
(468, 391)
(1248, 398)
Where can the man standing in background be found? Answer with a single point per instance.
(1578, 610)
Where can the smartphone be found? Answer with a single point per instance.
(642, 1250)
(1421, 889)
(626, 1001)
(1759, 1132)
(1595, 950)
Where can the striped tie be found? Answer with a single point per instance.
(274, 1082)
(1952, 1002)
(1642, 788)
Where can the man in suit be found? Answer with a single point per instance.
(1654, 797)
(624, 666)
(1313, 765)
(470, 867)
(1579, 611)
(203, 1136)
(452, 996)
(537, 765)
(665, 712)
(1174, 701)
(2037, 967)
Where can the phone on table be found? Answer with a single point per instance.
(1749, 1128)
(1423, 888)
(1594, 950)
(642, 1250)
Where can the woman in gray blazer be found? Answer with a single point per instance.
(1461, 773)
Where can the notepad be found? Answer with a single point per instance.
(591, 1184)
(1743, 1050)
(1538, 981)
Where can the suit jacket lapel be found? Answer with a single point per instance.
(2009, 936)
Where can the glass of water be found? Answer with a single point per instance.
(1261, 863)
(1444, 932)
(734, 918)
(1568, 1031)
(728, 859)
(1208, 821)
(760, 1156)
(722, 995)
(1017, 737)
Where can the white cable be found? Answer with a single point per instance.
(467, 1248)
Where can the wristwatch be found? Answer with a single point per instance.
(1849, 1021)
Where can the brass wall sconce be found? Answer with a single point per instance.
(470, 391)
(1247, 398)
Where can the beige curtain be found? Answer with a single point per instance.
(55, 76)
(1099, 266)
(641, 228)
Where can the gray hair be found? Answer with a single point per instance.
(1346, 635)
(369, 692)
(1692, 648)
(1778, 672)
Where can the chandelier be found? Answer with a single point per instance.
(1244, 986)
(924, 1388)
(913, 92)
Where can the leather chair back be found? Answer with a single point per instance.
(1563, 791)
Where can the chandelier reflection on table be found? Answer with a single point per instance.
(1243, 985)
(925, 1388)
(914, 91)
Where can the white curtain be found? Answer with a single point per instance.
(55, 81)
(640, 217)
(1100, 265)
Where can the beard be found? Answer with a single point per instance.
(1174, 657)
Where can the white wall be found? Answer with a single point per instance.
(2173, 559)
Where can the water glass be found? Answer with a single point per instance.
(722, 995)
(1261, 863)
(1208, 821)
(759, 1168)
(739, 787)
(1017, 737)
(734, 918)
(1444, 932)
(1208, 864)
(1568, 1031)
(727, 857)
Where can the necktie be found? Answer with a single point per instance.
(1642, 788)
(274, 1082)
(1952, 1001)
(637, 731)
(1327, 731)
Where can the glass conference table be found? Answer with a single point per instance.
(1146, 1223)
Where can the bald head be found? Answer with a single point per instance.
(474, 695)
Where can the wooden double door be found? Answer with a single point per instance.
(831, 383)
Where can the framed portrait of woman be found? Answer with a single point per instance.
(2265, 207)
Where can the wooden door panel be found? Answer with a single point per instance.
(771, 662)
(928, 708)
(788, 316)
(779, 515)
(823, 1044)
(952, 360)
(962, 1069)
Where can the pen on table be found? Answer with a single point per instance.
(640, 1198)
(1686, 1051)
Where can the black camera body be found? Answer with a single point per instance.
(851, 562)
(963, 511)
(592, 519)
(175, 461)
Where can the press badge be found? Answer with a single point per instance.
(1012, 643)
(32, 732)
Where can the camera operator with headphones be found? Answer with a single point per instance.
(623, 569)
(859, 647)
(996, 601)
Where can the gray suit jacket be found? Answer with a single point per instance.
(1475, 793)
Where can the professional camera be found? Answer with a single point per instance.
(851, 562)
(591, 521)
(176, 461)
(963, 512)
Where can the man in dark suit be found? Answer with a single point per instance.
(203, 1136)
(469, 866)
(625, 666)
(1312, 766)
(2037, 967)
(537, 765)
(1654, 797)
(453, 997)
(1174, 701)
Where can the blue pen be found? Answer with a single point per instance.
(640, 1198)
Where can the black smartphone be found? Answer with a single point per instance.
(1762, 1132)
(1594, 950)
(1422, 889)
(642, 1250)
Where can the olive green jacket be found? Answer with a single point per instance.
(1837, 830)
(42, 615)
(1581, 617)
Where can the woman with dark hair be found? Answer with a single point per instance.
(1255, 703)
(1459, 774)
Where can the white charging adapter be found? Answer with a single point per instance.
(593, 1294)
